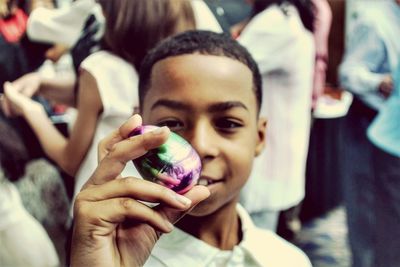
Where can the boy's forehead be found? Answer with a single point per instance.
(196, 76)
(188, 67)
(200, 58)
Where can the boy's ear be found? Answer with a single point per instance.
(261, 131)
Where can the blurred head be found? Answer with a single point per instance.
(207, 88)
(13, 153)
(135, 26)
(7, 7)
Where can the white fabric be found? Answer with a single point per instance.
(266, 219)
(117, 81)
(284, 51)
(24, 242)
(64, 25)
(11, 210)
(258, 248)
(205, 19)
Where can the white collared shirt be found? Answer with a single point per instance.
(258, 248)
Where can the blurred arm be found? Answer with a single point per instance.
(360, 70)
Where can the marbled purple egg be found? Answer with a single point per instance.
(174, 164)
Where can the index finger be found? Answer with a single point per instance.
(105, 145)
(124, 151)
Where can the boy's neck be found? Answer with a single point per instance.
(221, 229)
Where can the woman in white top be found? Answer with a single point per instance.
(107, 93)
(283, 48)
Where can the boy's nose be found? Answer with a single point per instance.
(204, 140)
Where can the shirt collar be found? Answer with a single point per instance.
(195, 252)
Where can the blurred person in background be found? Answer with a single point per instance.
(24, 241)
(322, 26)
(372, 54)
(279, 37)
(76, 29)
(384, 133)
(18, 56)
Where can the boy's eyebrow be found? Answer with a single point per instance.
(223, 106)
(218, 107)
(170, 104)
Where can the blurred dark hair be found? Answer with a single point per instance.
(135, 26)
(305, 8)
(203, 43)
(13, 153)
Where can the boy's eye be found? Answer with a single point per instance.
(227, 124)
(174, 125)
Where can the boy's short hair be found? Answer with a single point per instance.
(198, 42)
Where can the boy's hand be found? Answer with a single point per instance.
(112, 227)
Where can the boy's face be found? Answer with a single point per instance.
(209, 100)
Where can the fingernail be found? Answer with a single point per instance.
(169, 225)
(184, 200)
(160, 130)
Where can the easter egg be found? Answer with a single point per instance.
(174, 164)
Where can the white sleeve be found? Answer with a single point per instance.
(205, 19)
(117, 82)
(24, 241)
(61, 26)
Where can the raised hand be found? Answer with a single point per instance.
(112, 225)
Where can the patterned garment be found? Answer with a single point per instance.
(43, 194)
(324, 240)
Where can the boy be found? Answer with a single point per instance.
(207, 88)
